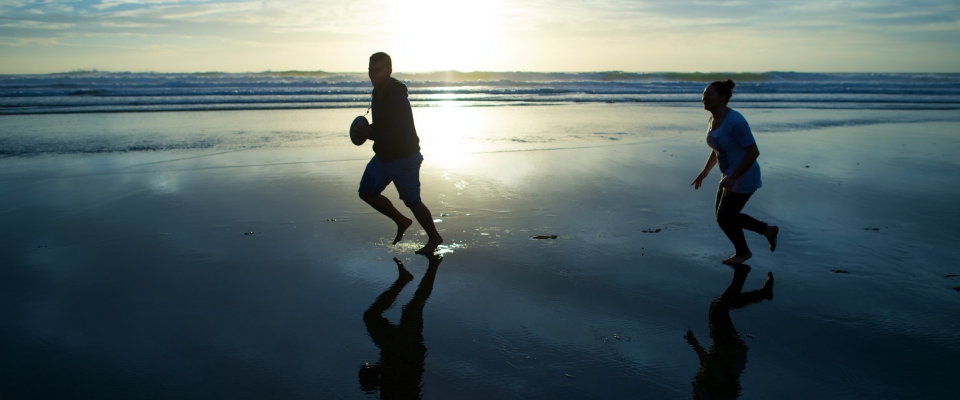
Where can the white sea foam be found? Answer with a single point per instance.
(141, 92)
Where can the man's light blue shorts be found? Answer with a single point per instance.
(404, 173)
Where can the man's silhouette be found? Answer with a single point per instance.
(402, 351)
(397, 156)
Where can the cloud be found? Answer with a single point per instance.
(29, 42)
(105, 4)
(601, 28)
(13, 3)
(745, 13)
(110, 24)
(599, 17)
(35, 25)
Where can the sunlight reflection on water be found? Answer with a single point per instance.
(446, 134)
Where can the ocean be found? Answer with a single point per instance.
(93, 91)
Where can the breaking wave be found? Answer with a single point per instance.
(94, 91)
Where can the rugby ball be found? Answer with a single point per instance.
(355, 136)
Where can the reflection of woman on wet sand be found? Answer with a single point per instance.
(720, 368)
(402, 351)
(736, 151)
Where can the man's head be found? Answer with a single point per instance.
(380, 69)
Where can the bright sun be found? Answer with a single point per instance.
(437, 35)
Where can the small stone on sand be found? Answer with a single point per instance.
(545, 237)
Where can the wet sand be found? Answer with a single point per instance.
(245, 270)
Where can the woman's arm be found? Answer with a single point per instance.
(711, 161)
(701, 352)
(745, 164)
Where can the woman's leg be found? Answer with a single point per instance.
(749, 223)
(752, 224)
(731, 220)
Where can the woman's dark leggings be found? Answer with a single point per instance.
(733, 222)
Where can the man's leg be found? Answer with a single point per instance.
(422, 213)
(375, 179)
(406, 177)
(382, 204)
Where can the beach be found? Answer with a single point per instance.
(204, 254)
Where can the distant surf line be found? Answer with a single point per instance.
(814, 105)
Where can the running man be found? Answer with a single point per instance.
(397, 156)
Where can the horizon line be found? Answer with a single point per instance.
(334, 73)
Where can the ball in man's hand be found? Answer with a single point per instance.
(358, 130)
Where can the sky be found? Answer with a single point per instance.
(484, 35)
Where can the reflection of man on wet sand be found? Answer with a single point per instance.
(720, 368)
(402, 351)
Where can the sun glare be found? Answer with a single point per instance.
(448, 134)
(434, 35)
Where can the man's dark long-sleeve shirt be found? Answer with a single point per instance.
(393, 132)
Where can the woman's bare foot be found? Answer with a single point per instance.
(431, 246)
(767, 288)
(771, 235)
(735, 259)
(401, 228)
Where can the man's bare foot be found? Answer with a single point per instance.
(735, 259)
(404, 274)
(771, 235)
(431, 246)
(401, 228)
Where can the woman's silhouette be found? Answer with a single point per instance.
(402, 351)
(720, 368)
(733, 147)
